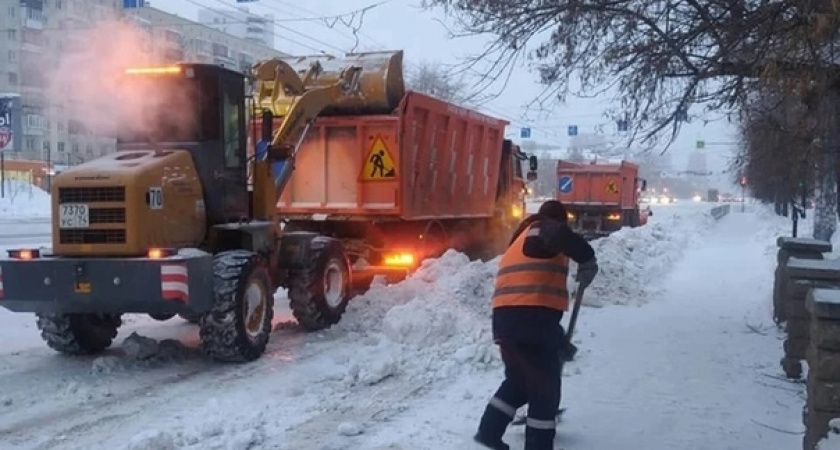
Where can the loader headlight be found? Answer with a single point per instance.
(516, 211)
(614, 217)
(24, 253)
(160, 253)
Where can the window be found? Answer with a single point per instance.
(12, 56)
(231, 113)
(12, 35)
(29, 143)
(60, 147)
(12, 11)
(46, 146)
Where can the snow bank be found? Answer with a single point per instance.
(832, 441)
(427, 327)
(632, 260)
(436, 324)
(24, 200)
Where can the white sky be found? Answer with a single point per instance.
(402, 24)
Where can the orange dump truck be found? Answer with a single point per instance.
(402, 176)
(601, 197)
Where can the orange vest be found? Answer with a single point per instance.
(524, 281)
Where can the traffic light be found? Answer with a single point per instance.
(742, 180)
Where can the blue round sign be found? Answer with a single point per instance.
(565, 184)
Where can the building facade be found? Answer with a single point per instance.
(240, 23)
(35, 35)
(174, 38)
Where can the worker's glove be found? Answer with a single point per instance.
(586, 272)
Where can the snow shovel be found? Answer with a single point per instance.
(568, 353)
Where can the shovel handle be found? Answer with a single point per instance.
(575, 312)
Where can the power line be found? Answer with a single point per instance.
(360, 13)
(223, 13)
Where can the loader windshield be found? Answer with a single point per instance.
(166, 108)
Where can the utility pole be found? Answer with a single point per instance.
(742, 180)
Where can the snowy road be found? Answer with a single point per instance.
(20, 232)
(412, 365)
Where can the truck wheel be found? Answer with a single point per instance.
(79, 334)
(238, 326)
(318, 295)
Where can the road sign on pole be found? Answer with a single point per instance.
(622, 125)
(525, 133)
(566, 184)
(573, 130)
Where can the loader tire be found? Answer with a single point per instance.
(79, 334)
(318, 294)
(238, 326)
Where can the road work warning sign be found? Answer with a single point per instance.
(379, 165)
(612, 187)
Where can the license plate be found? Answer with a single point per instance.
(83, 287)
(73, 215)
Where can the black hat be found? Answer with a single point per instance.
(553, 209)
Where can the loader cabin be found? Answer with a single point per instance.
(199, 108)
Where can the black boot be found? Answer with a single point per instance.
(537, 439)
(491, 429)
(497, 445)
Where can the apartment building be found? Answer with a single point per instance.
(240, 23)
(34, 34)
(178, 39)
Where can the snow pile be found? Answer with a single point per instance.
(426, 327)
(436, 324)
(140, 351)
(213, 432)
(632, 260)
(24, 200)
(832, 441)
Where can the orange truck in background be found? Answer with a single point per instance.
(404, 176)
(601, 198)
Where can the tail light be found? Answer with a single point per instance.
(516, 211)
(399, 260)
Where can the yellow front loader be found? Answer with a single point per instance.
(169, 224)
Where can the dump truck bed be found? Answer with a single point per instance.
(597, 184)
(429, 159)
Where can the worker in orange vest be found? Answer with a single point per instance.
(528, 304)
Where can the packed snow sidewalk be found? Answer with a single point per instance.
(668, 361)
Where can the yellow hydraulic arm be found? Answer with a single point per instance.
(296, 100)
